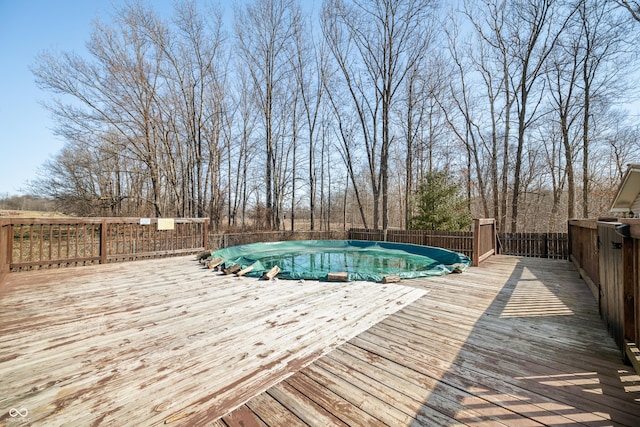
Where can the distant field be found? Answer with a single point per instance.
(7, 213)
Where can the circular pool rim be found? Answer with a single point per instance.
(425, 261)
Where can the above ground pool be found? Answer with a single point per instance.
(362, 260)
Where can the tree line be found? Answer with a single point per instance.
(285, 115)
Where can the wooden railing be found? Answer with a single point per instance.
(58, 242)
(534, 245)
(607, 254)
(484, 240)
(223, 240)
(5, 248)
(583, 252)
(478, 244)
(28, 244)
(457, 241)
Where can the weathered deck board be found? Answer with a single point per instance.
(156, 341)
(517, 342)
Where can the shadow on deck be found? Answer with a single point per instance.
(515, 342)
(540, 354)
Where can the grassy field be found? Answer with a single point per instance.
(7, 213)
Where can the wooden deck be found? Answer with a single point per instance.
(515, 342)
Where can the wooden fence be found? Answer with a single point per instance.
(478, 244)
(59, 242)
(223, 240)
(535, 245)
(45, 243)
(583, 252)
(458, 241)
(28, 244)
(607, 254)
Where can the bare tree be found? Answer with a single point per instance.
(552, 144)
(71, 179)
(533, 35)
(116, 92)
(311, 67)
(633, 7)
(604, 58)
(192, 104)
(412, 123)
(385, 40)
(246, 150)
(265, 30)
(566, 103)
(347, 148)
(468, 132)
(491, 60)
(623, 141)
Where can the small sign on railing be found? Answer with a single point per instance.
(166, 224)
(145, 221)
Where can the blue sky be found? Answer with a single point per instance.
(27, 28)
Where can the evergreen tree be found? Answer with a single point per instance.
(441, 204)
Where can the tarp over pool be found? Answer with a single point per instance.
(362, 260)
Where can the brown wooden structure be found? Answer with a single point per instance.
(59, 242)
(28, 244)
(223, 240)
(478, 244)
(6, 245)
(484, 240)
(607, 254)
(537, 245)
(458, 241)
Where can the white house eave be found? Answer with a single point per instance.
(628, 190)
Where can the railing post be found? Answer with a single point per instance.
(570, 240)
(494, 236)
(6, 248)
(629, 274)
(103, 241)
(205, 240)
(475, 253)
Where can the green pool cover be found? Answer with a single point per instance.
(362, 260)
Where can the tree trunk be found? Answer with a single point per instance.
(568, 154)
(585, 150)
